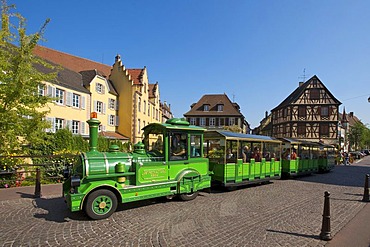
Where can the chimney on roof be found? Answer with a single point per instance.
(266, 114)
(118, 58)
(301, 83)
(351, 114)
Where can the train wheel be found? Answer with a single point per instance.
(188, 197)
(101, 204)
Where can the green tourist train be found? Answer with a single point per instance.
(176, 159)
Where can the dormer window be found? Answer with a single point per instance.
(205, 107)
(220, 107)
(100, 88)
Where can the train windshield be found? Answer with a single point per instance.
(154, 144)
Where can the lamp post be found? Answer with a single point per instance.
(340, 136)
(345, 124)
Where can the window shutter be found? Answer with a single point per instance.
(49, 91)
(104, 128)
(69, 99)
(103, 89)
(83, 99)
(95, 106)
(116, 105)
(52, 125)
(50, 120)
(69, 124)
(104, 108)
(83, 127)
(117, 121)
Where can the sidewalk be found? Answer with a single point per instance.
(29, 191)
(356, 233)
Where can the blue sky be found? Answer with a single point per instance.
(254, 51)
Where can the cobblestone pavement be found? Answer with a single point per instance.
(281, 213)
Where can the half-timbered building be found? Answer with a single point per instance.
(310, 113)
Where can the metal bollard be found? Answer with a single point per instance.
(326, 229)
(366, 189)
(38, 184)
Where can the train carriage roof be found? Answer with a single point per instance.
(301, 142)
(239, 136)
(172, 124)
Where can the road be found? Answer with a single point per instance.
(281, 213)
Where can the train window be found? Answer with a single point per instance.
(271, 150)
(154, 144)
(231, 151)
(245, 151)
(215, 150)
(256, 151)
(178, 146)
(195, 147)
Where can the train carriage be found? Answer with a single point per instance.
(326, 157)
(309, 157)
(236, 159)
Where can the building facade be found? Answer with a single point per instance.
(216, 111)
(310, 112)
(123, 98)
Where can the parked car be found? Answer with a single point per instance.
(366, 151)
(356, 154)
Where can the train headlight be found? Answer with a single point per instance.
(75, 181)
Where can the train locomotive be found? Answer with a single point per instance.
(155, 168)
(173, 159)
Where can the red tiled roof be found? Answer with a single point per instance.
(113, 135)
(152, 89)
(71, 62)
(230, 108)
(136, 75)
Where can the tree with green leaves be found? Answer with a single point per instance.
(233, 128)
(359, 136)
(21, 120)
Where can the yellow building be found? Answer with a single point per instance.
(124, 98)
(139, 102)
(70, 106)
(103, 100)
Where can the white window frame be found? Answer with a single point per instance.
(99, 107)
(192, 120)
(220, 108)
(202, 121)
(99, 88)
(111, 120)
(58, 124)
(76, 100)
(59, 95)
(212, 122)
(205, 107)
(112, 104)
(75, 127)
(41, 88)
(231, 121)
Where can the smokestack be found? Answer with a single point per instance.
(94, 127)
(300, 83)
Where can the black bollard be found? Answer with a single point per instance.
(366, 189)
(38, 184)
(325, 229)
